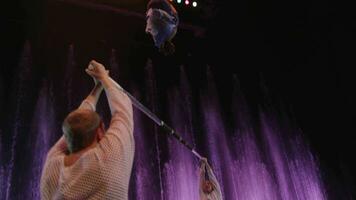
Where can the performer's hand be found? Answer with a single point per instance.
(97, 71)
(97, 82)
(203, 161)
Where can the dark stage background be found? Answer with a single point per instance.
(295, 56)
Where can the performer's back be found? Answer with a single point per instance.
(102, 172)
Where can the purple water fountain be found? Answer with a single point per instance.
(270, 162)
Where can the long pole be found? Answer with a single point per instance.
(159, 122)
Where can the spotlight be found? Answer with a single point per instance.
(195, 4)
(186, 2)
(179, 1)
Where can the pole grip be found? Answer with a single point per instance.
(172, 132)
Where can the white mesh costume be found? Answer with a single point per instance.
(102, 172)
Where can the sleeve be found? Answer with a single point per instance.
(119, 135)
(58, 149)
(87, 104)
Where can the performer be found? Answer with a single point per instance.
(162, 24)
(89, 162)
(209, 186)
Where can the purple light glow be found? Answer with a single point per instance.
(279, 166)
(43, 128)
(2, 170)
(24, 74)
(180, 171)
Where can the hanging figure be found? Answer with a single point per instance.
(209, 188)
(162, 24)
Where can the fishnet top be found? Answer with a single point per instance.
(102, 172)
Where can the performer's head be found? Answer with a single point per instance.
(163, 5)
(82, 128)
(207, 186)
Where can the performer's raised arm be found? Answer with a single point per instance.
(89, 103)
(120, 131)
(92, 99)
